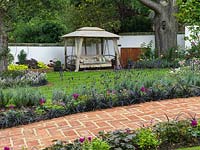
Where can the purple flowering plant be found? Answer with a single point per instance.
(143, 89)
(81, 139)
(42, 101)
(75, 96)
(11, 106)
(6, 148)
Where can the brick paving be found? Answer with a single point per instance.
(41, 134)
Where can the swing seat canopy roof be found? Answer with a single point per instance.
(91, 32)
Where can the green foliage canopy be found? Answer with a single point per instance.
(189, 12)
(116, 16)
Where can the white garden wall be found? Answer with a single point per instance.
(46, 53)
(188, 33)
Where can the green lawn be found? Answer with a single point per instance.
(101, 80)
(190, 148)
(73, 81)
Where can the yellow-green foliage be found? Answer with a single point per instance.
(13, 67)
(42, 65)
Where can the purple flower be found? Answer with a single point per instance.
(6, 148)
(82, 139)
(62, 104)
(113, 92)
(143, 89)
(194, 123)
(89, 138)
(75, 95)
(127, 130)
(42, 101)
(11, 106)
(193, 43)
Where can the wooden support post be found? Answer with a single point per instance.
(85, 44)
(65, 54)
(102, 46)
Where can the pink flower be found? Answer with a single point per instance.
(6, 148)
(89, 138)
(128, 131)
(194, 123)
(11, 106)
(75, 95)
(143, 89)
(42, 101)
(82, 139)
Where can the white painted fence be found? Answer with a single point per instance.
(46, 53)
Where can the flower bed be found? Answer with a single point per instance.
(162, 136)
(156, 63)
(31, 106)
(22, 78)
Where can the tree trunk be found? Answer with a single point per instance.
(165, 24)
(165, 31)
(3, 46)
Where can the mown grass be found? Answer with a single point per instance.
(73, 81)
(102, 80)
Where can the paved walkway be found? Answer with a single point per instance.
(41, 134)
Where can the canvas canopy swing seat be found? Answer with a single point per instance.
(91, 48)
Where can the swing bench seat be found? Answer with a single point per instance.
(94, 62)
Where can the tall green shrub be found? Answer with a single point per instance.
(22, 57)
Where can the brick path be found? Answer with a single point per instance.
(41, 134)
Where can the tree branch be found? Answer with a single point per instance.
(152, 5)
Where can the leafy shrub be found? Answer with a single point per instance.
(119, 139)
(37, 31)
(3, 99)
(42, 65)
(146, 139)
(24, 115)
(26, 97)
(95, 144)
(156, 63)
(57, 65)
(15, 67)
(22, 57)
(58, 96)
